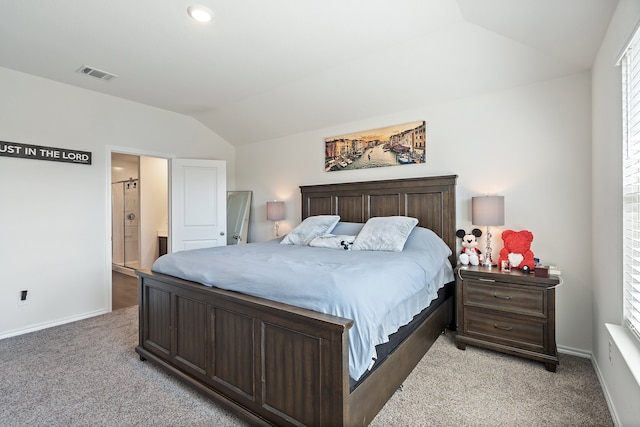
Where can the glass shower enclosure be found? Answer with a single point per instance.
(125, 203)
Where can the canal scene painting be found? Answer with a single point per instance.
(389, 146)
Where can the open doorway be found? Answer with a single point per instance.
(125, 213)
(139, 220)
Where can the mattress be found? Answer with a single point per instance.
(379, 290)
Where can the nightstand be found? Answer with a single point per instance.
(510, 312)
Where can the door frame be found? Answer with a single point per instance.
(108, 256)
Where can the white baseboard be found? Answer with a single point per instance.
(46, 325)
(575, 352)
(607, 395)
(124, 270)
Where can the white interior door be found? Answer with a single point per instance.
(198, 204)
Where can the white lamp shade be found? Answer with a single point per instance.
(275, 211)
(487, 210)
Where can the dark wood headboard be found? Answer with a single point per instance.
(432, 200)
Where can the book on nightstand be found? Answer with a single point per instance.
(546, 270)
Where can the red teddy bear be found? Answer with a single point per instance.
(517, 249)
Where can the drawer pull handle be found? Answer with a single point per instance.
(501, 297)
(486, 280)
(503, 328)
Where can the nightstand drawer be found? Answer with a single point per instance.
(512, 299)
(527, 333)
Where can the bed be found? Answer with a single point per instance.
(280, 364)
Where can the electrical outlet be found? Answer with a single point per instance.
(23, 297)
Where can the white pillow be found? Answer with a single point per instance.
(310, 228)
(386, 233)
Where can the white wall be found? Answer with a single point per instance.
(54, 217)
(154, 206)
(530, 144)
(623, 391)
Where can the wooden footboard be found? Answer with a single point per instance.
(271, 362)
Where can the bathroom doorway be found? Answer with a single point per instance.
(125, 201)
(125, 213)
(139, 220)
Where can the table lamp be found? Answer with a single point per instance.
(275, 212)
(487, 211)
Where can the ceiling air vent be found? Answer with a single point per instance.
(94, 72)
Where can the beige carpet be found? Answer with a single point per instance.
(87, 374)
(478, 387)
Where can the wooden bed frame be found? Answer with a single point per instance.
(275, 364)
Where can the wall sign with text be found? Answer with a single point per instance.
(38, 152)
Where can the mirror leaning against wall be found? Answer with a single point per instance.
(238, 208)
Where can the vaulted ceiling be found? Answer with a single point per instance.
(265, 69)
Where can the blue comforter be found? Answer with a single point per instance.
(365, 286)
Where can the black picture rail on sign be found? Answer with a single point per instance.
(39, 152)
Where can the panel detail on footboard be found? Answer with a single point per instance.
(156, 328)
(190, 332)
(302, 353)
(234, 352)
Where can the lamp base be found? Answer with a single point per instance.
(488, 262)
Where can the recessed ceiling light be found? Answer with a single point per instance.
(200, 13)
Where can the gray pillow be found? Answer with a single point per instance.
(348, 228)
(423, 239)
(387, 233)
(310, 228)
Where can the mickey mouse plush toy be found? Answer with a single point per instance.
(470, 253)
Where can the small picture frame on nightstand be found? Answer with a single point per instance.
(506, 266)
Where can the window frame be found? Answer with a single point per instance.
(630, 66)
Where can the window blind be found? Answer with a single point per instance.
(631, 184)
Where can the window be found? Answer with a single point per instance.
(631, 183)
